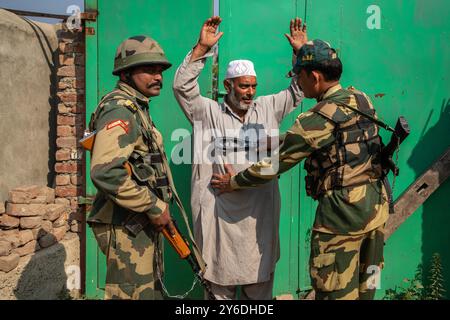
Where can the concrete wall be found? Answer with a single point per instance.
(28, 102)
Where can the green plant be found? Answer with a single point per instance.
(414, 291)
(434, 290)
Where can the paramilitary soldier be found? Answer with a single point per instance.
(130, 170)
(342, 148)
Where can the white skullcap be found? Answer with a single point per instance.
(240, 68)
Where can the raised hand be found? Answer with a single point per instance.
(208, 37)
(298, 36)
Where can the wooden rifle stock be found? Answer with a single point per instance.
(177, 242)
(182, 248)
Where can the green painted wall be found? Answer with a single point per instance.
(402, 63)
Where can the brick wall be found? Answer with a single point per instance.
(30, 222)
(70, 173)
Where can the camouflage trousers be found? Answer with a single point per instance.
(345, 267)
(131, 262)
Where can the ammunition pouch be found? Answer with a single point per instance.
(136, 222)
(311, 186)
(147, 170)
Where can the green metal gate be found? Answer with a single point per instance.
(396, 51)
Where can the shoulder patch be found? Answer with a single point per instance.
(125, 125)
(127, 103)
(331, 111)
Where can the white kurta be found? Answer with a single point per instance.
(236, 232)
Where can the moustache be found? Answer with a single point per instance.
(155, 84)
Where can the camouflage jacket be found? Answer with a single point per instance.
(120, 135)
(349, 210)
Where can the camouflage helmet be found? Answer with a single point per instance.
(313, 53)
(138, 51)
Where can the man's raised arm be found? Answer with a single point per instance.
(185, 84)
(285, 101)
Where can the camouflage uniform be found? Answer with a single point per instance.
(342, 151)
(130, 171)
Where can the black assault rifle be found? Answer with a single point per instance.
(399, 134)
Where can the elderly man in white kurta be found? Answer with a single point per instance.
(236, 232)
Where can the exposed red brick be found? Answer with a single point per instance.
(62, 108)
(8, 263)
(18, 197)
(64, 85)
(29, 248)
(66, 142)
(62, 155)
(66, 167)
(64, 131)
(25, 210)
(70, 96)
(39, 199)
(62, 179)
(66, 71)
(9, 222)
(54, 211)
(50, 195)
(74, 203)
(64, 201)
(67, 191)
(25, 236)
(34, 190)
(65, 120)
(30, 222)
(66, 59)
(61, 221)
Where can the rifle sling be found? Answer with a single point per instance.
(195, 249)
(361, 100)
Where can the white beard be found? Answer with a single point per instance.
(234, 101)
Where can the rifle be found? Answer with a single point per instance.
(138, 221)
(399, 134)
(181, 246)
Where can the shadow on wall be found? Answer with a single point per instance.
(52, 61)
(44, 277)
(436, 210)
